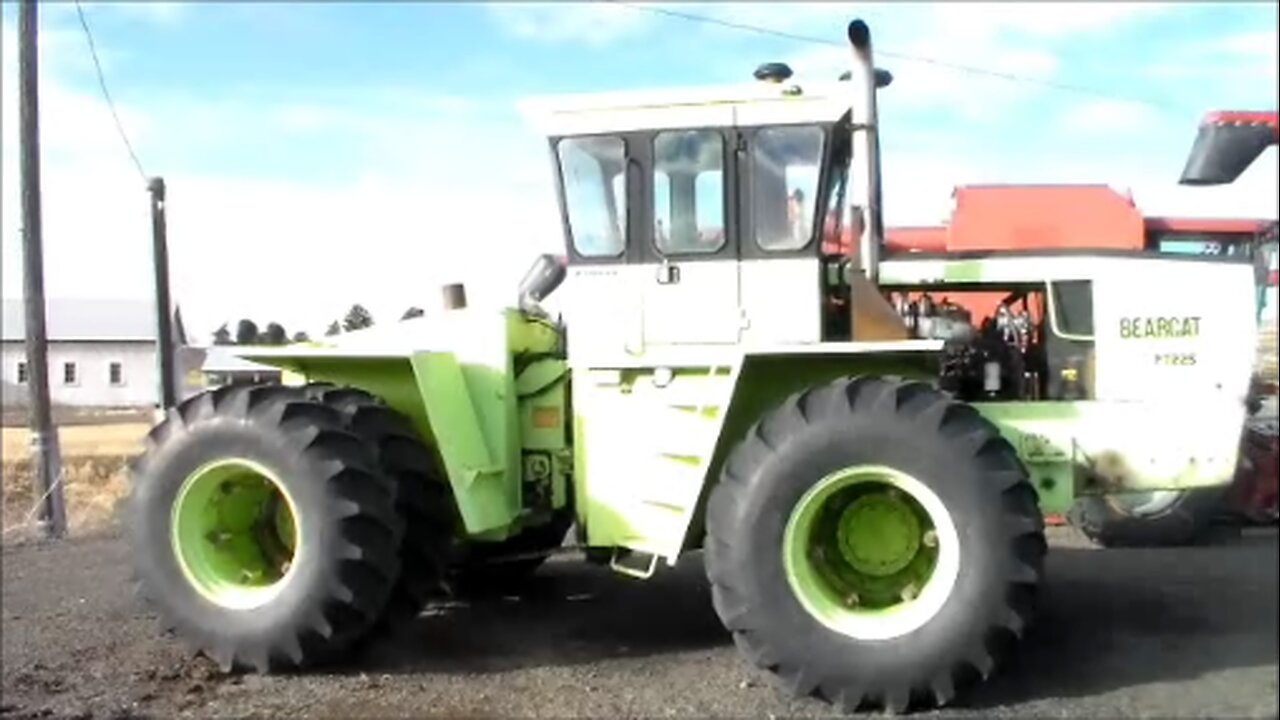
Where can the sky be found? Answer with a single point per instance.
(320, 154)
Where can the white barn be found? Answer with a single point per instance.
(102, 354)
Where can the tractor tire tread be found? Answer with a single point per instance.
(350, 589)
(423, 501)
(927, 412)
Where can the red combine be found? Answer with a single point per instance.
(993, 218)
(1227, 143)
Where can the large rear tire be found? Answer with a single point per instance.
(873, 542)
(423, 498)
(261, 530)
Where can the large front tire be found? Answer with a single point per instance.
(262, 531)
(873, 542)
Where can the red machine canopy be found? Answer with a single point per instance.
(1226, 144)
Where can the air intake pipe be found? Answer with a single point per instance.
(544, 276)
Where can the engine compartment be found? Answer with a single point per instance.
(998, 344)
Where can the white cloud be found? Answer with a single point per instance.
(447, 193)
(594, 24)
(1108, 117)
(1253, 195)
(977, 22)
(1225, 70)
(1258, 44)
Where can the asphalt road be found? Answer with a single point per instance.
(1135, 633)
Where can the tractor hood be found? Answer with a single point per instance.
(443, 331)
(1226, 144)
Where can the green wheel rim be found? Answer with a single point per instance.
(871, 552)
(234, 533)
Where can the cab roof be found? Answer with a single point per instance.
(750, 104)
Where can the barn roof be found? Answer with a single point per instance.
(75, 319)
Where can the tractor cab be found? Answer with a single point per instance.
(712, 217)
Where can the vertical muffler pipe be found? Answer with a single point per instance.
(865, 170)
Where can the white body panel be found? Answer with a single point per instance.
(781, 300)
(700, 306)
(1217, 297)
(603, 312)
(755, 103)
(1210, 335)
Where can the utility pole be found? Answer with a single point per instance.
(164, 310)
(44, 437)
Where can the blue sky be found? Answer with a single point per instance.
(323, 153)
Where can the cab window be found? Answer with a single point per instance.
(784, 171)
(595, 194)
(688, 192)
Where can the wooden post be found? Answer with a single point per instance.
(44, 437)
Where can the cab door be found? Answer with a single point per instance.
(600, 183)
(690, 244)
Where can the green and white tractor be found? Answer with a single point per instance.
(863, 470)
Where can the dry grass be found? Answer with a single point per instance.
(94, 458)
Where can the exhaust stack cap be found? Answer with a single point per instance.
(773, 72)
(860, 35)
(455, 296)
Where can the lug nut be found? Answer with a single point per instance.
(929, 539)
(910, 592)
(852, 600)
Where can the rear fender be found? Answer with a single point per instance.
(460, 410)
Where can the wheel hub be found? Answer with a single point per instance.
(870, 552)
(234, 533)
(879, 534)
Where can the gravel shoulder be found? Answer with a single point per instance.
(1125, 633)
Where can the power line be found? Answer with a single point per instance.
(959, 67)
(102, 83)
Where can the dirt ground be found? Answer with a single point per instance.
(1180, 633)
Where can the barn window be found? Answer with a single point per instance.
(22, 373)
(116, 373)
(69, 374)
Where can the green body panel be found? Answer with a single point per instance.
(457, 384)
(1091, 447)
(542, 389)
